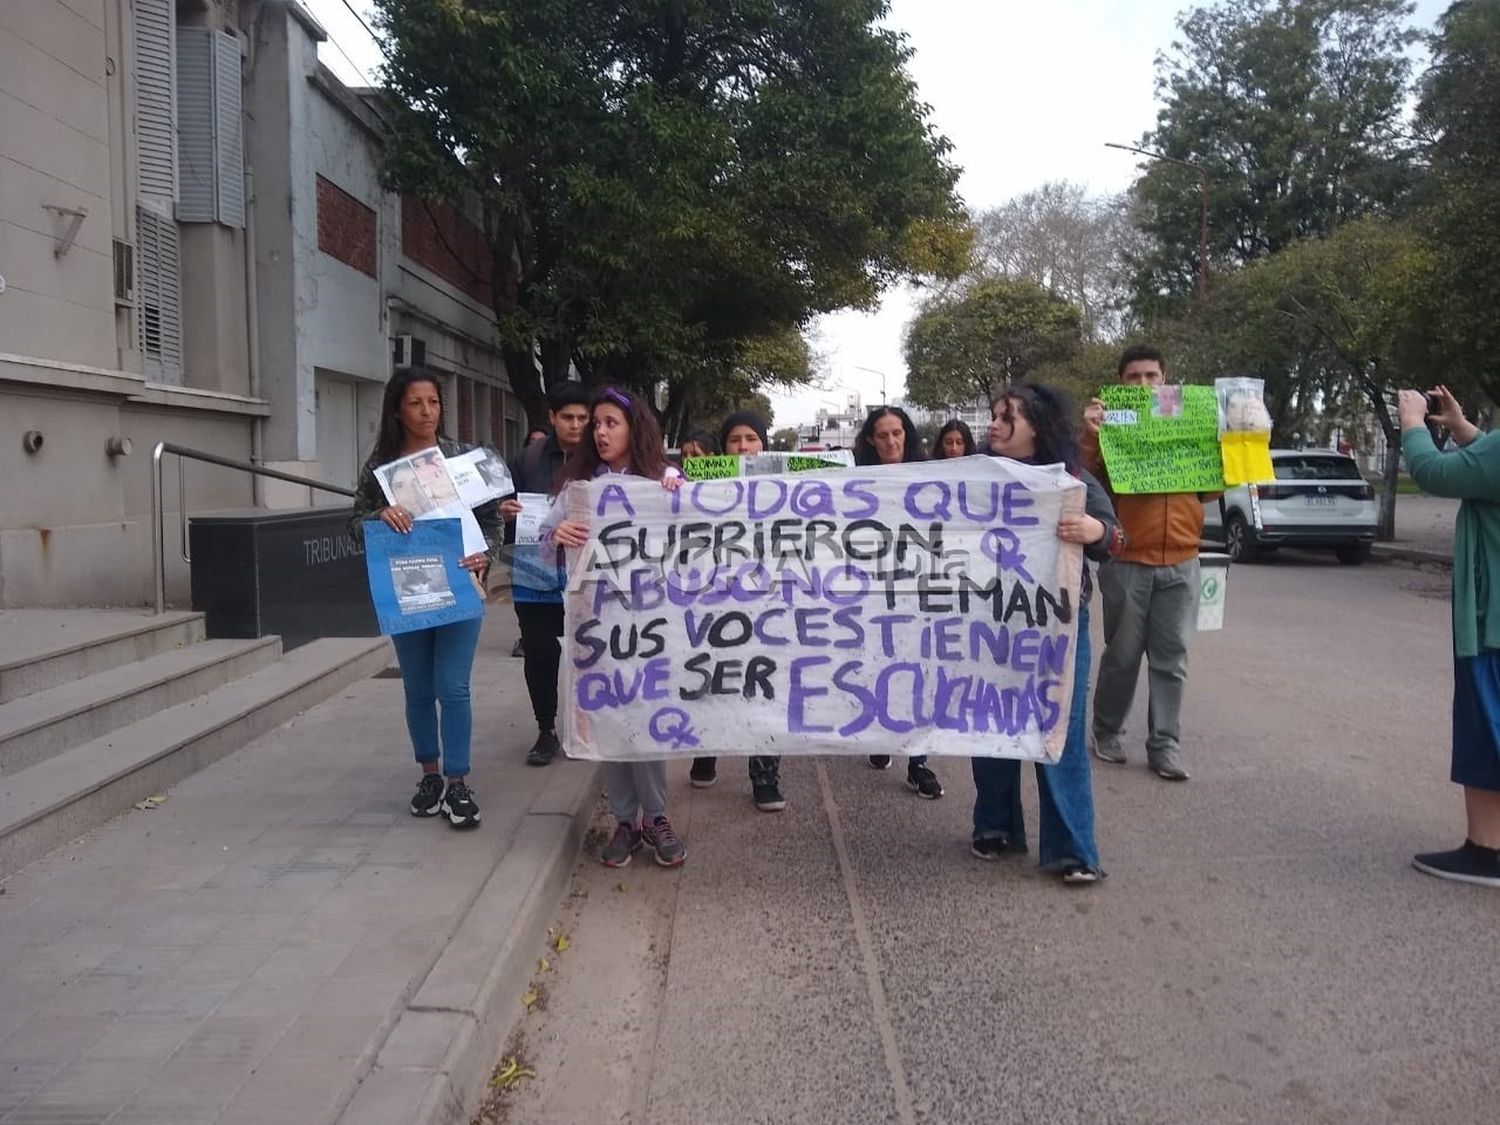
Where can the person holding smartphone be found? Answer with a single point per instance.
(1470, 474)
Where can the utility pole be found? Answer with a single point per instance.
(1203, 182)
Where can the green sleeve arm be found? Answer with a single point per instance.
(1470, 473)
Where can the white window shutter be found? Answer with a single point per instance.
(230, 154)
(154, 42)
(196, 160)
(209, 132)
(158, 296)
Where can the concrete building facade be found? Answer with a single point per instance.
(195, 248)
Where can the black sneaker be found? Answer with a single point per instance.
(1471, 863)
(768, 796)
(704, 773)
(880, 761)
(429, 798)
(622, 846)
(459, 805)
(924, 781)
(544, 749)
(992, 847)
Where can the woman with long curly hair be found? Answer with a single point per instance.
(624, 439)
(1033, 424)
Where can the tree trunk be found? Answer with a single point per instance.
(525, 381)
(557, 358)
(1385, 528)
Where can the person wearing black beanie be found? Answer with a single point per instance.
(743, 428)
(745, 432)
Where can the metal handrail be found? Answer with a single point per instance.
(158, 515)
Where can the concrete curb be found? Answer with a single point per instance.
(1389, 552)
(435, 1065)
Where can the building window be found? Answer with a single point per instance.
(465, 408)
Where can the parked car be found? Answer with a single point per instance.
(1319, 499)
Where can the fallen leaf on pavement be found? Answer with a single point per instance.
(562, 943)
(152, 802)
(511, 1071)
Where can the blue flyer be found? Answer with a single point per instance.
(415, 580)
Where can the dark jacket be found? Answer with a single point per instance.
(369, 499)
(538, 468)
(1096, 503)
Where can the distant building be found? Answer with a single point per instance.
(977, 415)
(197, 249)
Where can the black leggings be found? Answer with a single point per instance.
(541, 626)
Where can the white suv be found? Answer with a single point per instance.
(1320, 499)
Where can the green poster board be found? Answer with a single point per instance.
(761, 464)
(711, 468)
(1161, 439)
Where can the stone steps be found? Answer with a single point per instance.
(103, 709)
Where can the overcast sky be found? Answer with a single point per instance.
(1027, 92)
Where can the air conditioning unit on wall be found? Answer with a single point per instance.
(410, 351)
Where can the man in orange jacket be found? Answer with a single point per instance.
(1150, 596)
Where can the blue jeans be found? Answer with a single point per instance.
(1065, 791)
(435, 666)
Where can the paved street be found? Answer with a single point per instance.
(1261, 951)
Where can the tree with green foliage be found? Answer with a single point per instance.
(787, 438)
(663, 182)
(967, 346)
(699, 398)
(1295, 109)
(1459, 117)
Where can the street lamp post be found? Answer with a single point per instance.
(1203, 181)
(872, 371)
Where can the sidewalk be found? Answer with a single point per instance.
(1424, 531)
(280, 941)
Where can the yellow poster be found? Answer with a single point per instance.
(1247, 458)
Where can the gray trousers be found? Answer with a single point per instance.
(637, 790)
(1150, 610)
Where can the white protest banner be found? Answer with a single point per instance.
(926, 608)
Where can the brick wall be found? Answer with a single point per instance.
(346, 228)
(439, 239)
